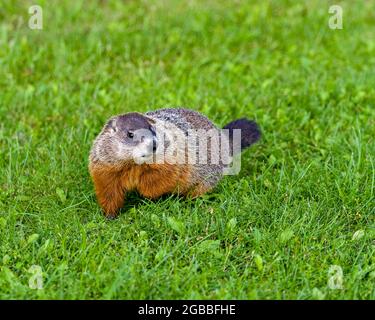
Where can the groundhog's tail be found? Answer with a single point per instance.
(250, 132)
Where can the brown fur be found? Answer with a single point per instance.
(112, 183)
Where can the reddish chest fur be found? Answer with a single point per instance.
(151, 181)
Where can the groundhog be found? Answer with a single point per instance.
(167, 151)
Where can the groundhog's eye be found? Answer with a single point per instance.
(130, 135)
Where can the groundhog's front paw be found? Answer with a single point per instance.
(111, 208)
(111, 216)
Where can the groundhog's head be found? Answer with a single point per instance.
(127, 138)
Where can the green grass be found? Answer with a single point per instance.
(273, 231)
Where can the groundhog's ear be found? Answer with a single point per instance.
(111, 125)
(150, 120)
